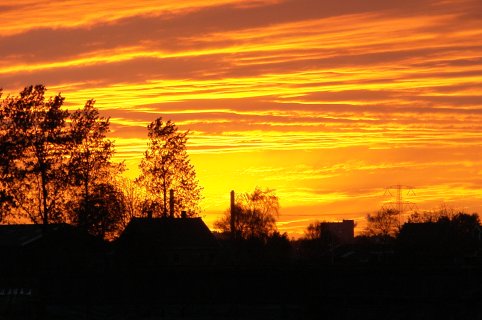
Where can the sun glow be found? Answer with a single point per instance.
(323, 102)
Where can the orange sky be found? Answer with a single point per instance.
(328, 102)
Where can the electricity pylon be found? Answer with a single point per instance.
(399, 203)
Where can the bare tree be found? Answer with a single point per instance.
(255, 213)
(134, 198)
(320, 232)
(313, 231)
(384, 223)
(443, 212)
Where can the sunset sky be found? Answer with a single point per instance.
(327, 102)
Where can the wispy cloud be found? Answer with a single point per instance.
(325, 101)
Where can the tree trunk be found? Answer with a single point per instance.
(83, 215)
(45, 214)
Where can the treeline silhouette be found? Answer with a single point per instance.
(56, 167)
(433, 237)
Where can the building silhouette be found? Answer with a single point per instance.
(151, 242)
(341, 232)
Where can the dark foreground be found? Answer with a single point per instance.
(289, 292)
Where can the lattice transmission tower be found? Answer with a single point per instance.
(399, 194)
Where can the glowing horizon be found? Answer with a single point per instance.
(327, 103)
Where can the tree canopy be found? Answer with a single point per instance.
(255, 215)
(384, 223)
(54, 164)
(103, 216)
(34, 134)
(166, 166)
(90, 156)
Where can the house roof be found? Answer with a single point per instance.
(21, 235)
(168, 232)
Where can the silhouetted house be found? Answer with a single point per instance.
(340, 232)
(30, 249)
(148, 242)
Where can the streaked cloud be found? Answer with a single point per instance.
(325, 102)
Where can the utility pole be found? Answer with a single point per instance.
(233, 217)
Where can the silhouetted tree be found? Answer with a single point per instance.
(466, 223)
(90, 156)
(256, 215)
(150, 207)
(443, 212)
(6, 199)
(317, 231)
(166, 166)
(133, 197)
(278, 247)
(7, 154)
(33, 163)
(313, 231)
(444, 237)
(384, 223)
(319, 242)
(103, 215)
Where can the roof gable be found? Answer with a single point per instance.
(169, 232)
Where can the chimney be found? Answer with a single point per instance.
(171, 203)
(183, 214)
(233, 217)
